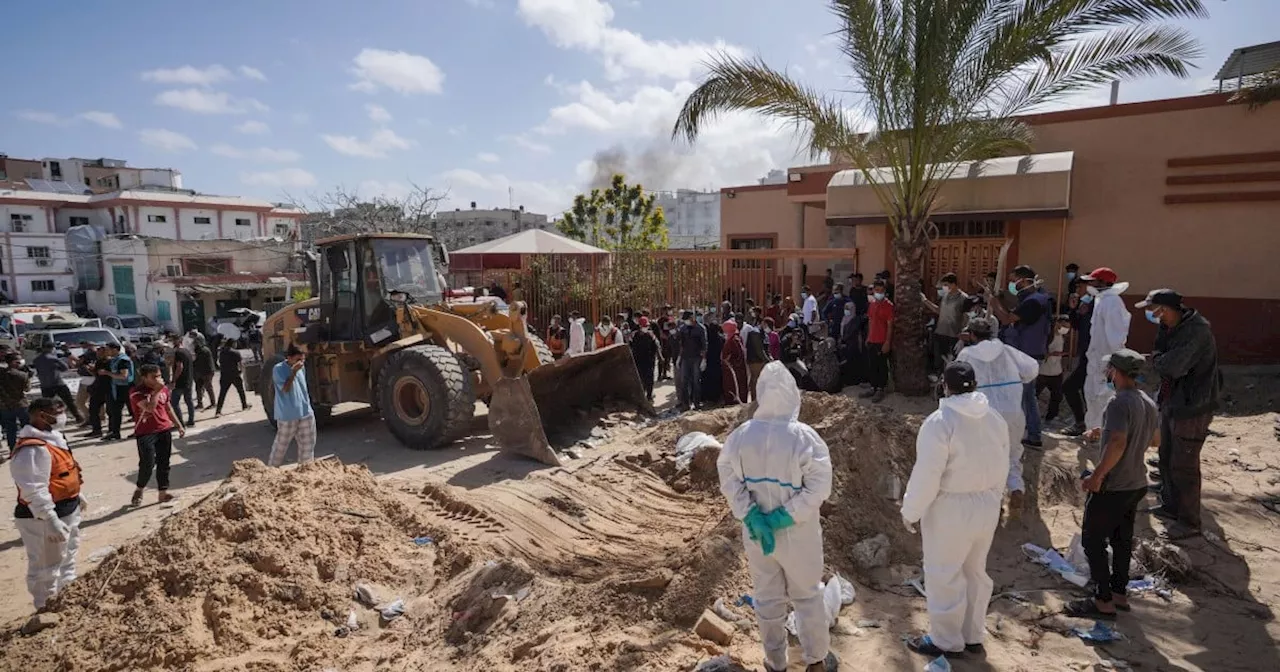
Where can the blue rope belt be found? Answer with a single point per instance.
(1016, 382)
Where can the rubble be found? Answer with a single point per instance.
(713, 628)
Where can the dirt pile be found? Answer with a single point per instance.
(263, 560)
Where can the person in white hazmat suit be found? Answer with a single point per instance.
(954, 493)
(1108, 332)
(776, 472)
(577, 334)
(48, 512)
(1002, 370)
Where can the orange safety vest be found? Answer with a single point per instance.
(64, 472)
(611, 339)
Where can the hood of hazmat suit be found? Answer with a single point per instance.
(955, 492)
(774, 461)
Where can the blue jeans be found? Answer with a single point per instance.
(689, 380)
(11, 421)
(1031, 409)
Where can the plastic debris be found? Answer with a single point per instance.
(1054, 561)
(831, 601)
(691, 443)
(101, 553)
(423, 541)
(1100, 632)
(939, 664)
(723, 611)
(918, 584)
(392, 611)
(745, 600)
(352, 623)
(365, 595)
(719, 664)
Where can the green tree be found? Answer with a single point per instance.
(618, 217)
(942, 82)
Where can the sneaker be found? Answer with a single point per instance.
(1034, 444)
(111, 437)
(1075, 430)
(137, 498)
(976, 649)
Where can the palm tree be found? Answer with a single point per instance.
(942, 82)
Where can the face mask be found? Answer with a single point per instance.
(879, 296)
(791, 323)
(943, 291)
(1151, 317)
(604, 328)
(1013, 287)
(1063, 330)
(61, 422)
(1094, 291)
(690, 322)
(971, 314)
(804, 295)
(1071, 275)
(848, 311)
(1087, 298)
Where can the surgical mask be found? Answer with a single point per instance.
(848, 311)
(1071, 275)
(971, 314)
(1013, 287)
(879, 296)
(1111, 385)
(690, 322)
(1151, 317)
(791, 323)
(1093, 291)
(804, 295)
(1087, 298)
(61, 422)
(943, 291)
(1063, 330)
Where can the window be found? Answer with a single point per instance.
(79, 221)
(42, 286)
(160, 219)
(203, 220)
(19, 223)
(55, 170)
(242, 221)
(37, 253)
(751, 244)
(163, 311)
(207, 266)
(86, 182)
(282, 230)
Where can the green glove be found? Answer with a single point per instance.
(779, 519)
(759, 530)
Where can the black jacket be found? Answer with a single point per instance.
(1186, 357)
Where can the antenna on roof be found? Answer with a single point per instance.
(511, 198)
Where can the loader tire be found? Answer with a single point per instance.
(426, 396)
(267, 388)
(544, 352)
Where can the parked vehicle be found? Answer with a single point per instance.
(132, 327)
(18, 319)
(67, 341)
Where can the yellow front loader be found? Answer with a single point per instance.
(379, 331)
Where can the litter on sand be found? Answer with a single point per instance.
(691, 443)
(723, 611)
(1100, 632)
(365, 595)
(392, 611)
(423, 541)
(1054, 561)
(939, 664)
(745, 600)
(918, 584)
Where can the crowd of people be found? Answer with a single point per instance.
(995, 355)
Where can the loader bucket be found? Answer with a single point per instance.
(547, 397)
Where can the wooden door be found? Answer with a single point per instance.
(969, 258)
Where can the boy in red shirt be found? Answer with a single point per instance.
(879, 341)
(153, 431)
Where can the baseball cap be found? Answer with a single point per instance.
(1161, 297)
(643, 322)
(960, 377)
(1126, 361)
(1102, 274)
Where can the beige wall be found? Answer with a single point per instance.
(1118, 214)
(21, 169)
(759, 212)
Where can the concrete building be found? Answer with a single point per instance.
(775, 176)
(36, 267)
(693, 218)
(1180, 193)
(107, 175)
(17, 170)
(182, 283)
(463, 228)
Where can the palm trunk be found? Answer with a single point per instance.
(910, 353)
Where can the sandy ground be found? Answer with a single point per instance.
(620, 563)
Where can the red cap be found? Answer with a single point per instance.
(1102, 274)
(644, 322)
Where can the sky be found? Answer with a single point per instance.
(500, 102)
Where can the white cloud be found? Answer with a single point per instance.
(399, 71)
(252, 73)
(484, 4)
(595, 110)
(585, 25)
(383, 141)
(189, 74)
(377, 113)
(458, 131)
(41, 117)
(550, 198)
(165, 140)
(103, 119)
(488, 157)
(524, 141)
(284, 178)
(208, 102)
(253, 127)
(261, 154)
(392, 190)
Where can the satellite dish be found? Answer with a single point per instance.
(229, 331)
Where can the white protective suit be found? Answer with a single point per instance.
(955, 491)
(810, 309)
(1108, 331)
(1002, 370)
(51, 562)
(772, 461)
(577, 336)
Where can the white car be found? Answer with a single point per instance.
(132, 328)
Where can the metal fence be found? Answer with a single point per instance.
(598, 285)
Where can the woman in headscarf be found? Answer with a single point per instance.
(733, 362)
(712, 384)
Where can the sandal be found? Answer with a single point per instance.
(925, 646)
(1087, 608)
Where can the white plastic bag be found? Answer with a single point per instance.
(689, 444)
